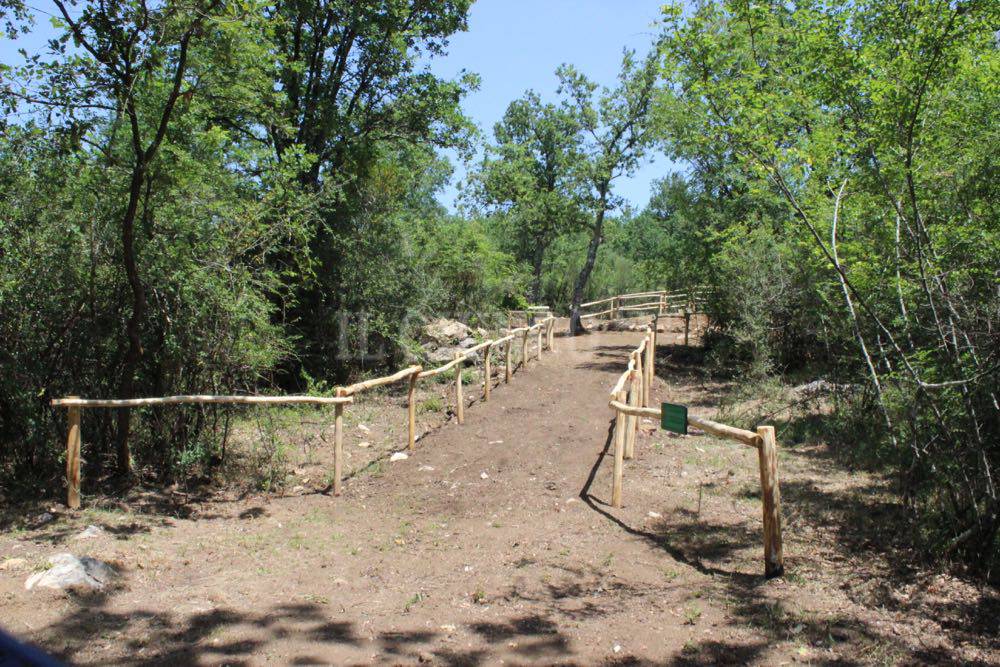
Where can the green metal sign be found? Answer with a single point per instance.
(674, 418)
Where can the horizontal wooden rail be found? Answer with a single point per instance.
(707, 425)
(197, 399)
(378, 382)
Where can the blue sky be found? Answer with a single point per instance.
(515, 45)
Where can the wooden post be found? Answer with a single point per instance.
(524, 348)
(506, 361)
(411, 409)
(73, 458)
(687, 325)
(640, 376)
(633, 421)
(774, 561)
(614, 308)
(487, 373)
(652, 357)
(552, 335)
(338, 446)
(663, 300)
(620, 426)
(648, 367)
(539, 353)
(459, 401)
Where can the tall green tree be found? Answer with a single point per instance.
(529, 178)
(355, 93)
(618, 129)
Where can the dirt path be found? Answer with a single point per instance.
(494, 543)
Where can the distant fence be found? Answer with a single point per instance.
(630, 401)
(660, 301)
(545, 334)
(528, 316)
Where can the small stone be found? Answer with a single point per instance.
(364, 444)
(298, 489)
(399, 456)
(43, 518)
(69, 571)
(496, 442)
(363, 428)
(571, 500)
(448, 627)
(654, 515)
(617, 648)
(483, 475)
(89, 532)
(425, 469)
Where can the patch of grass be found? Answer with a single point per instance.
(316, 599)
(691, 615)
(479, 596)
(415, 599)
(607, 560)
(432, 404)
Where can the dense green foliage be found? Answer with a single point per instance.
(844, 186)
(221, 197)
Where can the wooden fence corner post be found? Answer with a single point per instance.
(459, 401)
(506, 360)
(552, 334)
(620, 426)
(338, 445)
(774, 560)
(487, 372)
(73, 457)
(411, 409)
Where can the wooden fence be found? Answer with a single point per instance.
(528, 315)
(661, 301)
(630, 400)
(544, 331)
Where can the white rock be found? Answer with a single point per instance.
(399, 456)
(364, 444)
(362, 427)
(617, 648)
(89, 532)
(425, 469)
(654, 515)
(483, 475)
(69, 571)
(496, 442)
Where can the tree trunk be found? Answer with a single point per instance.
(536, 280)
(575, 324)
(134, 352)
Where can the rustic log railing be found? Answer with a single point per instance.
(660, 301)
(630, 401)
(527, 315)
(545, 331)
